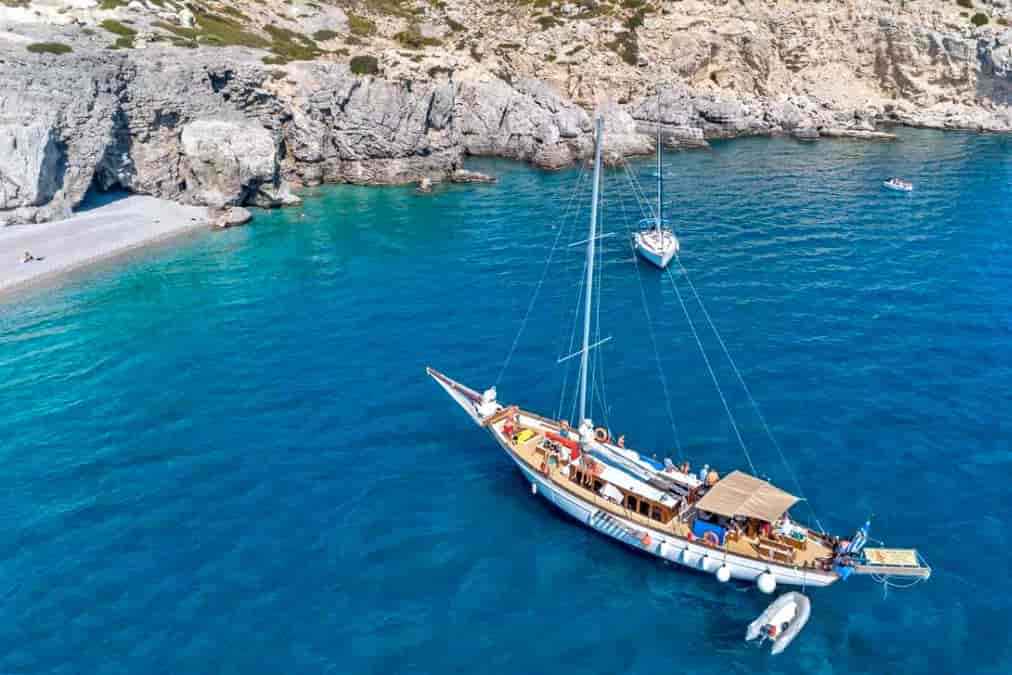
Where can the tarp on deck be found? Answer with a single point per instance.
(739, 494)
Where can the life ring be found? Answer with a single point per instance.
(601, 435)
(690, 537)
(710, 538)
(645, 540)
(544, 468)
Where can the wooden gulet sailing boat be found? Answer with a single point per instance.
(735, 527)
(656, 242)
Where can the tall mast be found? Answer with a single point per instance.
(589, 294)
(659, 174)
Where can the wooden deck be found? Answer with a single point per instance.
(805, 554)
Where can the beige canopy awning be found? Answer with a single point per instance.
(739, 494)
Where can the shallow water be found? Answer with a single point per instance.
(223, 455)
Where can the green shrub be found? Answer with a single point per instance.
(965, 3)
(455, 26)
(394, 7)
(361, 26)
(232, 11)
(49, 48)
(548, 21)
(124, 42)
(979, 19)
(412, 38)
(292, 46)
(112, 4)
(626, 46)
(636, 20)
(324, 35)
(117, 28)
(364, 65)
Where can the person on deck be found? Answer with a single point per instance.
(28, 257)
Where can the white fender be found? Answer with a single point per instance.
(766, 582)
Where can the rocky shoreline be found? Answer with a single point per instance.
(219, 127)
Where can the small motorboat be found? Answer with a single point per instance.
(781, 621)
(897, 184)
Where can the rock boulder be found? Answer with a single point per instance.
(228, 162)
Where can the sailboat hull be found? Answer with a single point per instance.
(671, 549)
(656, 250)
(662, 545)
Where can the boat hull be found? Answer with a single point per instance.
(665, 546)
(658, 256)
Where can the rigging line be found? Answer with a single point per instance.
(541, 281)
(572, 339)
(748, 393)
(650, 330)
(638, 190)
(713, 376)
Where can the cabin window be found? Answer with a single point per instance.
(630, 502)
(656, 514)
(645, 508)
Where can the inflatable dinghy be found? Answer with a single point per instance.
(781, 621)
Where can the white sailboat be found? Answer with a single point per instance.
(656, 242)
(734, 527)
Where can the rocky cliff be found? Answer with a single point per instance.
(228, 103)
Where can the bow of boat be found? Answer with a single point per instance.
(468, 399)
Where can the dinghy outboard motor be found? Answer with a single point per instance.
(781, 621)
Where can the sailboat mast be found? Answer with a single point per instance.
(660, 177)
(589, 294)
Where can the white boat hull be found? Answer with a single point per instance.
(662, 545)
(675, 550)
(656, 250)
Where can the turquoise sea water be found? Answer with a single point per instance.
(223, 454)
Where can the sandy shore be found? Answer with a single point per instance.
(90, 236)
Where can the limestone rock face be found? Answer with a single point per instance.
(225, 162)
(529, 121)
(621, 136)
(232, 216)
(366, 130)
(220, 125)
(30, 164)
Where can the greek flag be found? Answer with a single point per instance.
(860, 539)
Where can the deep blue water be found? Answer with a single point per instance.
(222, 455)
